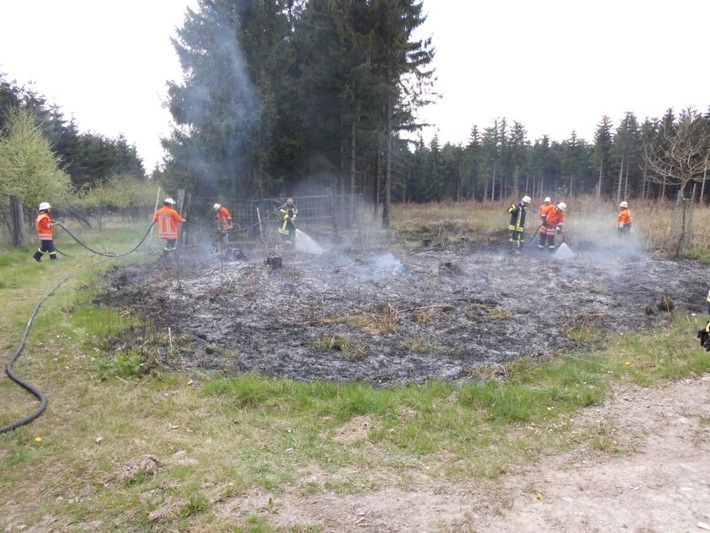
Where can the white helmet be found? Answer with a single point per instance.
(562, 206)
(44, 206)
(624, 204)
(216, 207)
(526, 199)
(547, 199)
(169, 201)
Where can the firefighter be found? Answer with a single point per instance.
(545, 208)
(224, 218)
(704, 336)
(168, 219)
(624, 219)
(289, 212)
(44, 225)
(517, 222)
(224, 221)
(553, 224)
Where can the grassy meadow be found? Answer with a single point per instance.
(218, 439)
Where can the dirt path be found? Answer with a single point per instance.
(657, 479)
(663, 486)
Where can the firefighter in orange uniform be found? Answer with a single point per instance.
(624, 219)
(553, 224)
(224, 221)
(224, 218)
(546, 208)
(44, 225)
(168, 219)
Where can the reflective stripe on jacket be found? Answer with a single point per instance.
(43, 222)
(167, 219)
(517, 217)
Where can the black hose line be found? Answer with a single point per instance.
(11, 372)
(240, 230)
(109, 254)
(535, 234)
(9, 367)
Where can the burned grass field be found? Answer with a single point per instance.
(392, 316)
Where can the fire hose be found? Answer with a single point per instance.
(535, 234)
(9, 370)
(106, 254)
(240, 230)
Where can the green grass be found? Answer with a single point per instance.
(220, 438)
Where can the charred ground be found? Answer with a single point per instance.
(389, 316)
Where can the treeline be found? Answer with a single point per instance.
(283, 91)
(89, 159)
(652, 159)
(279, 93)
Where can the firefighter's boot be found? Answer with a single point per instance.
(38, 256)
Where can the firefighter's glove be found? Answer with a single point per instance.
(559, 229)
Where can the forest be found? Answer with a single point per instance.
(289, 95)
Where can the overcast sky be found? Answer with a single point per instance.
(553, 65)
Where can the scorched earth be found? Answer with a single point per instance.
(390, 316)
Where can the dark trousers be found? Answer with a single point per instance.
(46, 246)
(550, 239)
(516, 239)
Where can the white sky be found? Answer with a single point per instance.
(553, 65)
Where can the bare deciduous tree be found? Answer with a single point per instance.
(677, 155)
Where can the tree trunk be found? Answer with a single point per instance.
(17, 222)
(705, 175)
(388, 168)
(378, 176)
(493, 185)
(626, 181)
(621, 179)
(352, 172)
(599, 183)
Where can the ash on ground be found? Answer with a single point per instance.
(393, 317)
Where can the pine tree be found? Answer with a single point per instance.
(602, 150)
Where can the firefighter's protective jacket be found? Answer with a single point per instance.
(43, 222)
(546, 209)
(624, 216)
(224, 218)
(555, 219)
(517, 217)
(167, 219)
(288, 217)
